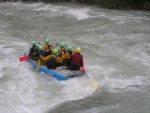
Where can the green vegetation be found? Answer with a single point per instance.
(120, 4)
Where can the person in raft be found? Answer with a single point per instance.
(53, 60)
(67, 55)
(47, 47)
(34, 50)
(76, 61)
(62, 49)
(41, 52)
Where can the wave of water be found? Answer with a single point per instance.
(115, 46)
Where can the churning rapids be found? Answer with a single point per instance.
(116, 49)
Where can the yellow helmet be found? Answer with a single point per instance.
(78, 50)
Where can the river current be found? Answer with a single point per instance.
(116, 49)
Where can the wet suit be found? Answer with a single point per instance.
(52, 61)
(52, 64)
(34, 52)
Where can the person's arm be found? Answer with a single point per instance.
(45, 59)
(50, 47)
(59, 60)
(59, 51)
(82, 64)
(65, 56)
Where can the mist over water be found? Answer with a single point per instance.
(116, 49)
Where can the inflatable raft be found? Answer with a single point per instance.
(59, 73)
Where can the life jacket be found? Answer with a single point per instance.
(47, 46)
(62, 51)
(76, 60)
(66, 59)
(48, 50)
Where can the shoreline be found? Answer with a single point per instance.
(107, 4)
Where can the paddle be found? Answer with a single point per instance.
(38, 65)
(24, 58)
(94, 84)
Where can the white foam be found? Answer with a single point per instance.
(79, 14)
(54, 10)
(138, 54)
(31, 88)
(77, 88)
(121, 83)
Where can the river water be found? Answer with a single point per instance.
(116, 49)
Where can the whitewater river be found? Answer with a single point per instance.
(116, 49)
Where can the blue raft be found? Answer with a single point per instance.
(47, 71)
(55, 73)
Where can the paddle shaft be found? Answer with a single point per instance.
(87, 76)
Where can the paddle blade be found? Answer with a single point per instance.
(94, 84)
(24, 58)
(38, 65)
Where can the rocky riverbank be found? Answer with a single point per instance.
(110, 4)
(121, 4)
